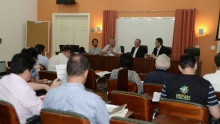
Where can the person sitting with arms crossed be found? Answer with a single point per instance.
(126, 60)
(15, 89)
(190, 87)
(72, 96)
(111, 49)
(95, 50)
(137, 50)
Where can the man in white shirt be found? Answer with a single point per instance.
(214, 78)
(15, 89)
(137, 50)
(95, 50)
(61, 58)
(41, 58)
(111, 49)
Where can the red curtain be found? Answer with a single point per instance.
(184, 33)
(109, 24)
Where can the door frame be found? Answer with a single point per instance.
(55, 16)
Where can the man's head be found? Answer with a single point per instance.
(112, 42)
(22, 65)
(67, 50)
(159, 42)
(126, 60)
(40, 48)
(32, 52)
(137, 42)
(95, 42)
(162, 62)
(187, 64)
(77, 67)
(217, 60)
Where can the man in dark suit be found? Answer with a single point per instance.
(159, 49)
(137, 50)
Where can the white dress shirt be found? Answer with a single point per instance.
(214, 79)
(135, 51)
(158, 50)
(116, 49)
(57, 60)
(16, 91)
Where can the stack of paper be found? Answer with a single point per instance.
(114, 110)
(156, 97)
(61, 72)
(102, 73)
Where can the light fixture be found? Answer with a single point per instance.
(201, 31)
(98, 29)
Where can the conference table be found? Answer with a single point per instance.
(140, 65)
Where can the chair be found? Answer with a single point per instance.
(50, 75)
(92, 79)
(193, 51)
(8, 114)
(51, 116)
(218, 95)
(42, 67)
(139, 104)
(121, 120)
(122, 49)
(9, 64)
(145, 46)
(182, 109)
(169, 51)
(122, 81)
(152, 87)
(142, 76)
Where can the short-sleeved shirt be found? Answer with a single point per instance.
(57, 60)
(132, 76)
(95, 50)
(73, 97)
(42, 60)
(16, 91)
(116, 49)
(190, 88)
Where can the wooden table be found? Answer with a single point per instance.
(140, 65)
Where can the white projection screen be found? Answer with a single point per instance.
(145, 28)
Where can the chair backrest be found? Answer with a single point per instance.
(8, 114)
(139, 104)
(9, 63)
(91, 80)
(122, 49)
(50, 75)
(121, 120)
(145, 46)
(152, 87)
(122, 83)
(51, 116)
(193, 51)
(142, 76)
(184, 109)
(169, 51)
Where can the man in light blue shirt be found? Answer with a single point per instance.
(41, 59)
(72, 96)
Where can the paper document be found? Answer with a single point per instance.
(115, 110)
(102, 73)
(156, 97)
(61, 72)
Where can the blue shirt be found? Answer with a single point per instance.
(73, 97)
(42, 60)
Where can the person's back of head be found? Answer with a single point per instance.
(32, 52)
(162, 62)
(40, 48)
(67, 48)
(126, 60)
(21, 62)
(77, 65)
(82, 50)
(187, 64)
(217, 60)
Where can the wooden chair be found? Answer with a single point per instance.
(50, 75)
(8, 114)
(122, 81)
(181, 111)
(139, 104)
(142, 76)
(152, 87)
(51, 116)
(120, 120)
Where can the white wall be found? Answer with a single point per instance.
(13, 17)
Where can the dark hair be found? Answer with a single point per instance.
(160, 40)
(40, 48)
(67, 48)
(126, 60)
(21, 62)
(32, 52)
(77, 65)
(187, 61)
(82, 50)
(217, 60)
(94, 40)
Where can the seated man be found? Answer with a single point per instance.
(190, 87)
(15, 89)
(137, 50)
(72, 96)
(41, 58)
(159, 49)
(126, 60)
(162, 64)
(214, 78)
(111, 49)
(95, 50)
(61, 58)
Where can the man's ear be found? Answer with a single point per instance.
(195, 66)
(181, 70)
(86, 73)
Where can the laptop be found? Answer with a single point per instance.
(3, 69)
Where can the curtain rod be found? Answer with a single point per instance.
(147, 11)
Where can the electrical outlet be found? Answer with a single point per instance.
(196, 46)
(212, 47)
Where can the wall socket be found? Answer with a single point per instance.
(0, 40)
